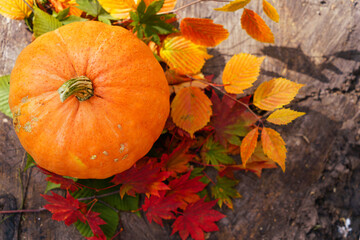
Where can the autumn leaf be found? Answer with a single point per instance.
(94, 221)
(275, 93)
(65, 183)
(224, 191)
(215, 154)
(177, 161)
(121, 8)
(182, 55)
(284, 116)
(241, 72)
(256, 27)
(248, 145)
(203, 31)
(178, 81)
(233, 6)
(146, 178)
(196, 219)
(270, 11)
(15, 9)
(274, 146)
(185, 190)
(160, 207)
(230, 119)
(66, 209)
(61, 5)
(191, 109)
(259, 161)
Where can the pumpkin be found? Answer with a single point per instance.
(88, 100)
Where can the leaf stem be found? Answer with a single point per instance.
(98, 196)
(22, 211)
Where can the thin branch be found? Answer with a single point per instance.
(28, 5)
(23, 211)
(98, 196)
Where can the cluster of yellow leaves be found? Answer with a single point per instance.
(121, 8)
(251, 22)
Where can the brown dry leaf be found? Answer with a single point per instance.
(256, 27)
(240, 72)
(191, 109)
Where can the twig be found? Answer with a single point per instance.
(98, 196)
(23, 211)
(28, 5)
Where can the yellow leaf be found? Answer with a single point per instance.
(191, 109)
(203, 31)
(233, 6)
(182, 55)
(248, 145)
(270, 11)
(119, 8)
(15, 9)
(284, 116)
(274, 146)
(275, 93)
(256, 27)
(240, 72)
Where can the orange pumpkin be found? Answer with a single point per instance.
(88, 100)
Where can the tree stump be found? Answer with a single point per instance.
(317, 44)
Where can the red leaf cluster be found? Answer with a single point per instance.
(65, 183)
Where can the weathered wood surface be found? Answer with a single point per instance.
(317, 44)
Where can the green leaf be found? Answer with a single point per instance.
(44, 22)
(141, 7)
(224, 191)
(110, 216)
(214, 153)
(91, 7)
(73, 18)
(61, 15)
(30, 162)
(235, 140)
(51, 186)
(240, 129)
(4, 95)
(154, 7)
(135, 17)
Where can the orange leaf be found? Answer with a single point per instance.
(240, 72)
(284, 116)
(256, 27)
(270, 11)
(203, 31)
(60, 5)
(182, 55)
(274, 146)
(233, 6)
(191, 109)
(248, 145)
(275, 93)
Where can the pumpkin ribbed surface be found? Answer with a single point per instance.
(104, 134)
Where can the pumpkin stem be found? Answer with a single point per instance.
(81, 87)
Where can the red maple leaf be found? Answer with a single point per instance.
(227, 112)
(65, 183)
(160, 207)
(94, 221)
(66, 209)
(197, 218)
(142, 178)
(185, 190)
(177, 161)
